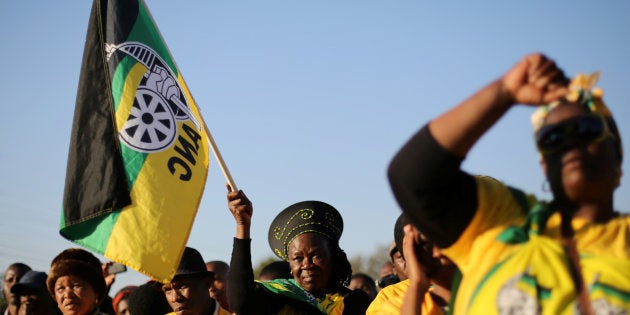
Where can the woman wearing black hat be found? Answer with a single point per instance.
(306, 235)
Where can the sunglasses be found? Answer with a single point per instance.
(572, 132)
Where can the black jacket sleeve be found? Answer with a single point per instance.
(431, 188)
(241, 285)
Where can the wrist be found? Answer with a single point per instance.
(242, 231)
(505, 97)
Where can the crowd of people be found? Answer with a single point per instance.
(463, 243)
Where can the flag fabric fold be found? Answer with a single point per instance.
(138, 157)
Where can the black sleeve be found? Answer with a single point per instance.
(431, 188)
(242, 293)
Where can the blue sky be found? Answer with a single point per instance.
(306, 100)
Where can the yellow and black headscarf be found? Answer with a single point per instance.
(582, 91)
(304, 217)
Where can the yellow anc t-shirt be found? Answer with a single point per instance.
(389, 300)
(512, 260)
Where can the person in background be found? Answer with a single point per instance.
(362, 281)
(275, 270)
(430, 275)
(148, 299)
(33, 295)
(189, 291)
(107, 304)
(11, 276)
(120, 302)
(388, 267)
(398, 262)
(386, 275)
(218, 289)
(517, 253)
(305, 234)
(436, 272)
(76, 282)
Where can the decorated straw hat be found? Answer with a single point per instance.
(304, 217)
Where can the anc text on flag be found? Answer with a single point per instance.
(138, 157)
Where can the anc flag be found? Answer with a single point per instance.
(138, 157)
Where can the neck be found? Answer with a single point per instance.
(596, 212)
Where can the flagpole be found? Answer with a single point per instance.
(217, 155)
(213, 145)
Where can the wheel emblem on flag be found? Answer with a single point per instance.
(158, 104)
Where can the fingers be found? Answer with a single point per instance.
(408, 242)
(535, 80)
(543, 72)
(240, 206)
(238, 196)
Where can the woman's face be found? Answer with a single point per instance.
(589, 172)
(310, 259)
(123, 307)
(74, 296)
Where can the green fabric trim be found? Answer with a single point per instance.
(611, 291)
(291, 289)
(146, 32)
(119, 78)
(133, 163)
(457, 279)
(483, 281)
(93, 234)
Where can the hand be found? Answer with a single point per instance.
(415, 272)
(109, 279)
(240, 206)
(535, 80)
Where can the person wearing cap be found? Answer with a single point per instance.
(11, 276)
(392, 270)
(188, 293)
(33, 295)
(76, 282)
(305, 234)
(570, 255)
(427, 274)
(398, 261)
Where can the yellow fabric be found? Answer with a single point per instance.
(389, 300)
(222, 311)
(581, 84)
(164, 205)
(533, 276)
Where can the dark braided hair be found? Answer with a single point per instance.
(341, 268)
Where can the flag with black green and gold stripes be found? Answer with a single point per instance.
(138, 157)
